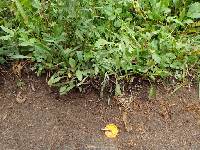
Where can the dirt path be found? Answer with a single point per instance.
(42, 120)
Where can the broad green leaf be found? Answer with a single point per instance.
(19, 57)
(170, 55)
(63, 89)
(21, 11)
(194, 10)
(96, 70)
(118, 11)
(5, 29)
(79, 75)
(2, 60)
(29, 42)
(80, 55)
(5, 38)
(156, 58)
(72, 63)
(54, 80)
(117, 23)
(100, 43)
(66, 88)
(176, 65)
(37, 4)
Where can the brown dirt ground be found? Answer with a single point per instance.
(33, 116)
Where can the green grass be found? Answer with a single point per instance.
(78, 40)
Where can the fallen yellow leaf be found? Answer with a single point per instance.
(69, 75)
(111, 130)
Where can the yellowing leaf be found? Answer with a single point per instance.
(111, 130)
(69, 75)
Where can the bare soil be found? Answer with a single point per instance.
(34, 116)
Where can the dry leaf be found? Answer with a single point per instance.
(111, 130)
(20, 99)
(17, 68)
(127, 126)
(32, 87)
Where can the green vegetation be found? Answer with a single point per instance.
(80, 39)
